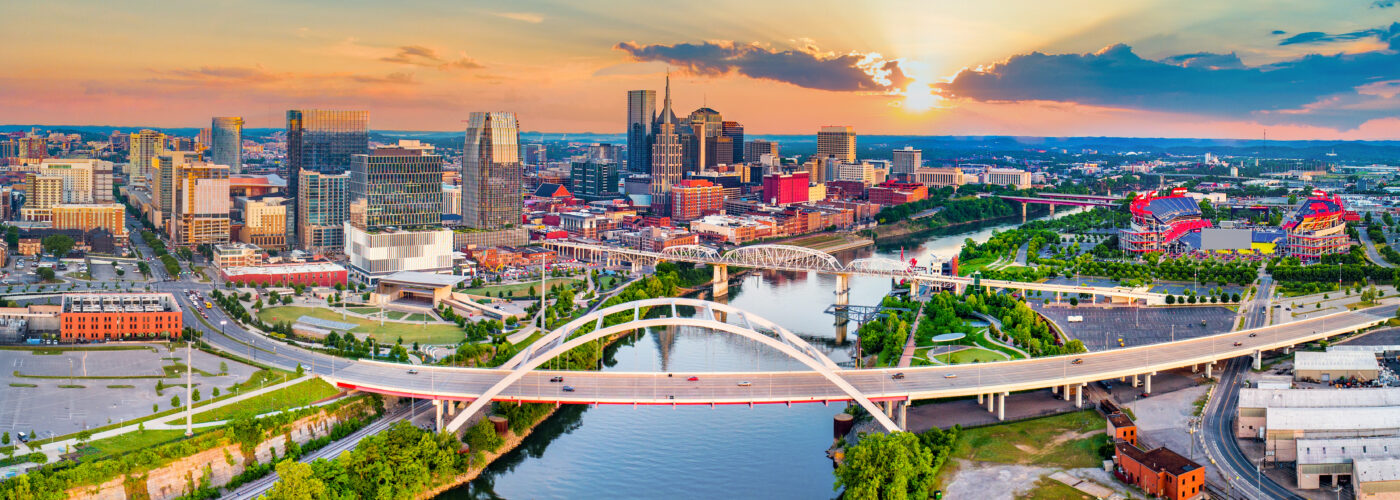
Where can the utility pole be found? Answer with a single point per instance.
(189, 388)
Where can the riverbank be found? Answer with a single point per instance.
(908, 229)
(512, 441)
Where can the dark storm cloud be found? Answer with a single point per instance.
(804, 68)
(1202, 83)
(1388, 34)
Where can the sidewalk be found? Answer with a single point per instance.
(54, 449)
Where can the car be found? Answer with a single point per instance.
(950, 375)
(556, 379)
(568, 388)
(745, 383)
(1237, 344)
(693, 379)
(1252, 335)
(898, 376)
(412, 371)
(1077, 361)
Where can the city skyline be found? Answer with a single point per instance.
(1302, 70)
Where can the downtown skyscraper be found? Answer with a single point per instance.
(323, 142)
(641, 114)
(492, 172)
(667, 156)
(226, 134)
(395, 219)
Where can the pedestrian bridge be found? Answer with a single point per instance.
(877, 390)
(800, 259)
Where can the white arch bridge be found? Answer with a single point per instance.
(520, 380)
(800, 259)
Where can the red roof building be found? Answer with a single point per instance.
(1318, 228)
(1160, 473)
(1159, 222)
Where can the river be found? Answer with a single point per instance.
(768, 451)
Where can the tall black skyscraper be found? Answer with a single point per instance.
(734, 131)
(321, 141)
(641, 113)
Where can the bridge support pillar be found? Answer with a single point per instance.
(1079, 396)
(904, 415)
(1001, 408)
(1052, 209)
(1055, 389)
(1065, 392)
(721, 280)
(843, 289)
(1023, 211)
(1208, 367)
(979, 398)
(1258, 360)
(437, 409)
(991, 403)
(1136, 381)
(1147, 388)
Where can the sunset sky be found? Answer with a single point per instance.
(1302, 69)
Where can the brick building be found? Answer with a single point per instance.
(897, 193)
(309, 274)
(782, 189)
(1160, 472)
(119, 316)
(692, 199)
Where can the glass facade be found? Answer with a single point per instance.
(594, 180)
(396, 187)
(227, 136)
(491, 171)
(321, 209)
(321, 141)
(641, 112)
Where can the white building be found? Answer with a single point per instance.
(380, 253)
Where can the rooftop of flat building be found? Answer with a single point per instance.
(1318, 398)
(1344, 450)
(1370, 470)
(1333, 419)
(1335, 360)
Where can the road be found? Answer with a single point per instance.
(255, 488)
(1371, 251)
(1218, 418)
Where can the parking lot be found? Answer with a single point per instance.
(1161, 287)
(48, 408)
(1102, 327)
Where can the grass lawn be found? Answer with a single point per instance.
(515, 289)
(301, 394)
(129, 442)
(967, 267)
(387, 333)
(1050, 489)
(973, 355)
(418, 317)
(1068, 440)
(606, 282)
(363, 310)
(79, 275)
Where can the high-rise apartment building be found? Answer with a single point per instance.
(755, 149)
(321, 211)
(33, 147)
(837, 141)
(641, 113)
(594, 180)
(145, 146)
(492, 171)
(41, 193)
(782, 189)
(85, 180)
(227, 139)
(906, 161)
(395, 221)
(321, 141)
(667, 156)
(200, 215)
(164, 172)
(735, 132)
(603, 151)
(264, 222)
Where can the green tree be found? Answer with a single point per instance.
(58, 245)
(83, 436)
(296, 481)
(175, 401)
(300, 370)
(1171, 299)
(5, 439)
(886, 466)
(215, 392)
(195, 396)
(46, 273)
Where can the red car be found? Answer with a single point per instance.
(693, 379)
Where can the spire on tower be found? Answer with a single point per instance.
(666, 111)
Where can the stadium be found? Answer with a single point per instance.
(1160, 222)
(1318, 228)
